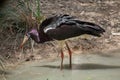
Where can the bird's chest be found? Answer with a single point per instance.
(44, 38)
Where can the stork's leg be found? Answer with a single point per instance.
(62, 57)
(70, 55)
(61, 52)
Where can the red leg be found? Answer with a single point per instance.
(70, 55)
(62, 57)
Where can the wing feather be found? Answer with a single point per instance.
(65, 26)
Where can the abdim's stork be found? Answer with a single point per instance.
(61, 27)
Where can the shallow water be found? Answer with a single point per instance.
(85, 67)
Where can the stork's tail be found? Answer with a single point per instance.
(91, 28)
(86, 27)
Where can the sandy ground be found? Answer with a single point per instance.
(84, 67)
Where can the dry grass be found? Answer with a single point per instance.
(15, 19)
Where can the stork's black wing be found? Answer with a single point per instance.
(55, 21)
(66, 27)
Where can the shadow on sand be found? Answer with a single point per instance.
(86, 66)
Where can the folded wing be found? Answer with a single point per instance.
(65, 26)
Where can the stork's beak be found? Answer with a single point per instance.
(24, 41)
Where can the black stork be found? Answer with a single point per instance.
(61, 27)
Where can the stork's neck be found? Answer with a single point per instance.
(38, 36)
(34, 34)
(41, 38)
(37, 39)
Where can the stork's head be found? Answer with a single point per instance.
(32, 33)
